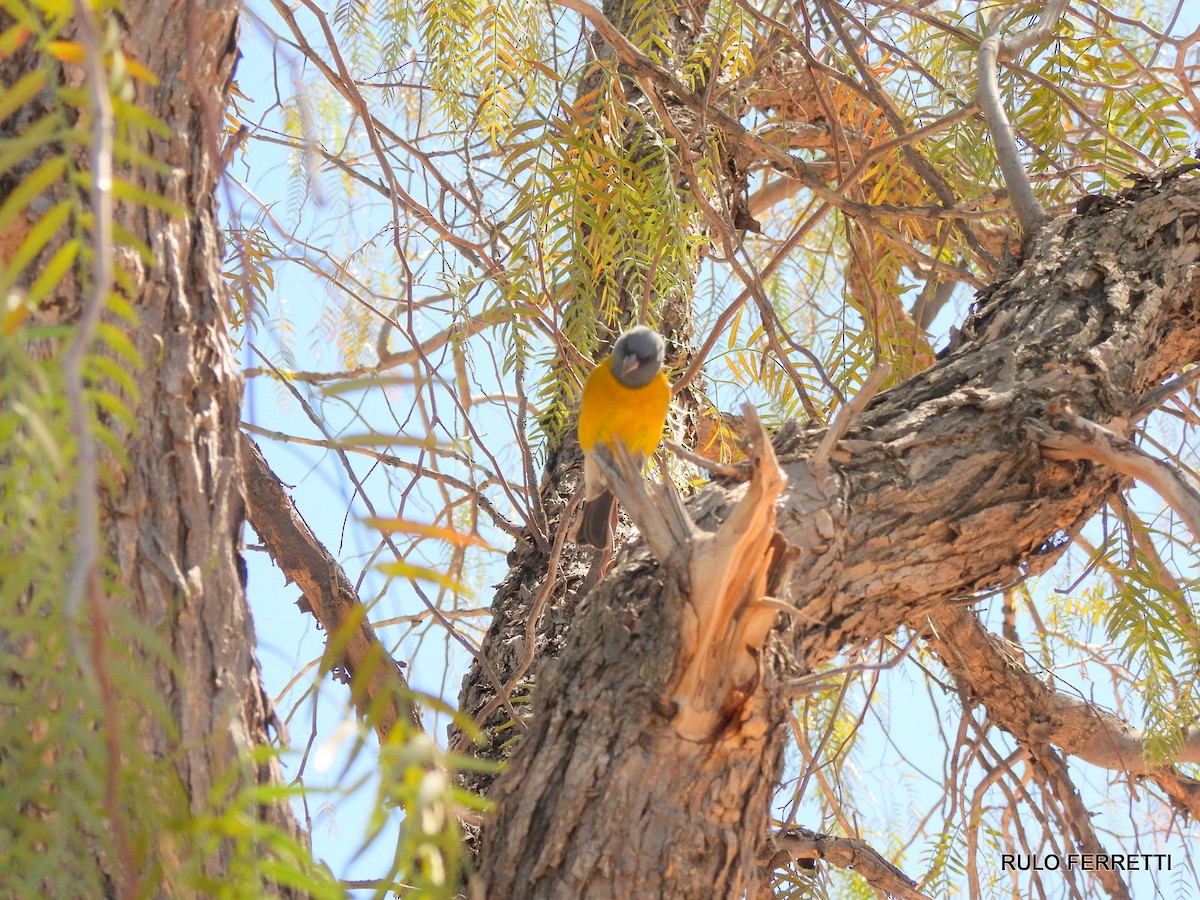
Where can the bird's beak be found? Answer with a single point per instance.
(630, 364)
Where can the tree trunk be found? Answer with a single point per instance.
(171, 516)
(937, 492)
(175, 529)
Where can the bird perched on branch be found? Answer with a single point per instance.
(624, 399)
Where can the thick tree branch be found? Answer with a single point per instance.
(934, 495)
(931, 496)
(380, 693)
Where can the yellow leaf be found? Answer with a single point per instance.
(402, 569)
(13, 39)
(449, 535)
(67, 51)
(137, 70)
(16, 310)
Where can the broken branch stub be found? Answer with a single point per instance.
(727, 620)
(663, 524)
(732, 574)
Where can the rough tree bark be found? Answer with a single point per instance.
(175, 527)
(171, 518)
(937, 493)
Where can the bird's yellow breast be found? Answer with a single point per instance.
(634, 415)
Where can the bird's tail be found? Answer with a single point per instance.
(595, 521)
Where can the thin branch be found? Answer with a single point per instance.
(846, 415)
(1154, 399)
(1087, 440)
(991, 50)
(1051, 770)
(390, 359)
(504, 695)
(87, 550)
(704, 463)
(84, 580)
(846, 853)
(823, 681)
(366, 501)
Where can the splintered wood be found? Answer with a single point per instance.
(732, 573)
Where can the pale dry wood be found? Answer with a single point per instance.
(662, 523)
(726, 620)
(729, 614)
(846, 415)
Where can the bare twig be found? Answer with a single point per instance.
(87, 515)
(1036, 713)
(437, 613)
(718, 328)
(845, 417)
(823, 681)
(1051, 771)
(390, 459)
(701, 462)
(504, 695)
(390, 359)
(1152, 400)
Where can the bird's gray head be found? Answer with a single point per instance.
(637, 356)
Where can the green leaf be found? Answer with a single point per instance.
(39, 132)
(54, 270)
(48, 173)
(26, 88)
(37, 238)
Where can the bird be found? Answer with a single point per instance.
(625, 399)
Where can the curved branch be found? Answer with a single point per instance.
(1087, 440)
(801, 843)
(993, 671)
(987, 95)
